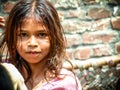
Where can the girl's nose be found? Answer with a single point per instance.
(32, 41)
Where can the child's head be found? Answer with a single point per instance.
(44, 14)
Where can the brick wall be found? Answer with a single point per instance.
(92, 28)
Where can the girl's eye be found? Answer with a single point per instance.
(23, 35)
(42, 35)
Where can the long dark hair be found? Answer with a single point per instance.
(44, 12)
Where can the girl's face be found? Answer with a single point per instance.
(33, 42)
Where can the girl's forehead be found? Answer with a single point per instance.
(31, 20)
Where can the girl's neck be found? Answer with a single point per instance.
(38, 68)
(35, 82)
(37, 78)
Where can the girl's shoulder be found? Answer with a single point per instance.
(65, 81)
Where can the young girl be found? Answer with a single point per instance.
(35, 41)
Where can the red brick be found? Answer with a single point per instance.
(82, 53)
(115, 23)
(89, 2)
(102, 50)
(73, 26)
(92, 38)
(73, 40)
(98, 13)
(69, 26)
(8, 6)
(117, 48)
(101, 24)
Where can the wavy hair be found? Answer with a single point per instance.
(43, 12)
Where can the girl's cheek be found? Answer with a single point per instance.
(19, 43)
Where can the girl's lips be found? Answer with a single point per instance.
(33, 54)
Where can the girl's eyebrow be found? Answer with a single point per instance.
(39, 30)
(42, 30)
(21, 30)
